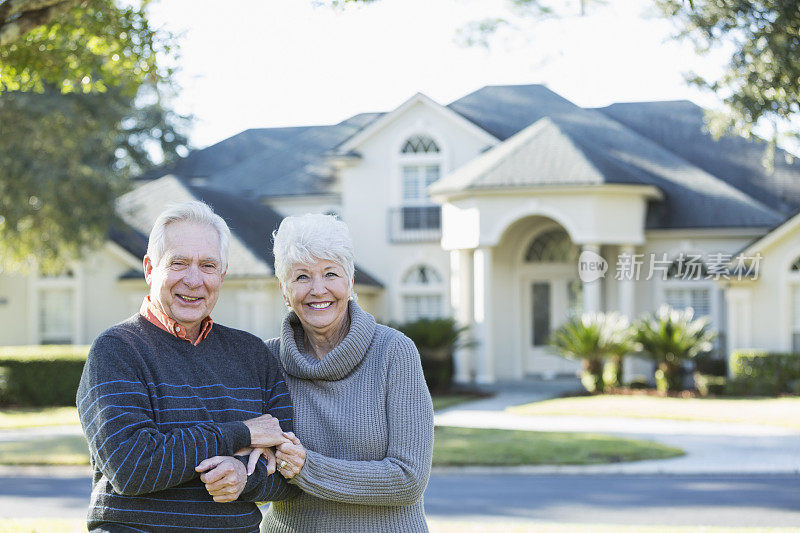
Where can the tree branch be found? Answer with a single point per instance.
(18, 17)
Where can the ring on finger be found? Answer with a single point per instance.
(280, 466)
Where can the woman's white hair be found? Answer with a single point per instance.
(308, 238)
(195, 211)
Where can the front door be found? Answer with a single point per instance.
(548, 303)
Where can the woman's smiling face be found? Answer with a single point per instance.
(318, 294)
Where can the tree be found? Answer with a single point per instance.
(81, 89)
(761, 82)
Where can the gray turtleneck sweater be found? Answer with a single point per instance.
(365, 417)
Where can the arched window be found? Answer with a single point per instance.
(795, 265)
(420, 144)
(420, 166)
(423, 293)
(552, 246)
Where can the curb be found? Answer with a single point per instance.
(627, 469)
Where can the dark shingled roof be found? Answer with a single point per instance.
(128, 238)
(678, 126)
(692, 198)
(269, 161)
(705, 183)
(250, 222)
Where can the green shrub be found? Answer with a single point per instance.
(763, 373)
(592, 338)
(670, 337)
(40, 375)
(435, 339)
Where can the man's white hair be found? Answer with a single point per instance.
(194, 211)
(308, 238)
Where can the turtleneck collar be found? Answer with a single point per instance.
(340, 361)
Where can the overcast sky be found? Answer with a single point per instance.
(268, 63)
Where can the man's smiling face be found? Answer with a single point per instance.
(185, 283)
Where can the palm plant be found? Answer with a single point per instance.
(669, 337)
(592, 337)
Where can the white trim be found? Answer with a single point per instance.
(787, 227)
(648, 191)
(384, 121)
(399, 160)
(36, 284)
(434, 289)
(124, 255)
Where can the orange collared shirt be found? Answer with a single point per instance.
(154, 315)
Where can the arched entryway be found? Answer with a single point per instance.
(550, 292)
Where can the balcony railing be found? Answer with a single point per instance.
(415, 224)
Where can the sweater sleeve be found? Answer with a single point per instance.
(401, 477)
(261, 487)
(125, 442)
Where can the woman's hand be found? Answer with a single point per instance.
(225, 477)
(255, 453)
(265, 431)
(291, 456)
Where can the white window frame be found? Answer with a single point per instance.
(423, 290)
(37, 285)
(401, 160)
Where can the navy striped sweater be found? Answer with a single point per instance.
(153, 406)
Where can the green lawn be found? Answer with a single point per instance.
(61, 450)
(26, 417)
(781, 412)
(449, 400)
(437, 525)
(452, 446)
(468, 446)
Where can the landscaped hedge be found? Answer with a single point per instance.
(764, 373)
(40, 375)
(435, 339)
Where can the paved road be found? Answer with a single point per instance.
(708, 500)
(714, 500)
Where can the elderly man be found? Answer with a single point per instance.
(167, 396)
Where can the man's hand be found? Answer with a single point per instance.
(265, 431)
(291, 456)
(225, 477)
(255, 453)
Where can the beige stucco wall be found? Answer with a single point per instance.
(372, 187)
(601, 214)
(764, 316)
(14, 309)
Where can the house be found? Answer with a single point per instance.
(508, 209)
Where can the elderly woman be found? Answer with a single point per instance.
(361, 455)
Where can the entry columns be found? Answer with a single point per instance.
(482, 316)
(625, 285)
(591, 289)
(461, 290)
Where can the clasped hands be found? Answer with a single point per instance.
(225, 477)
